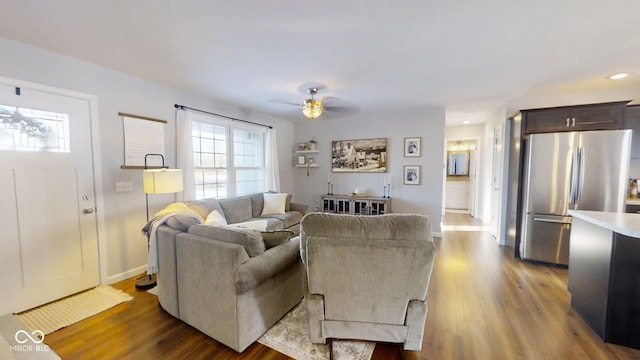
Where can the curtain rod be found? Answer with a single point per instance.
(224, 116)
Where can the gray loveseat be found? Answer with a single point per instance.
(226, 282)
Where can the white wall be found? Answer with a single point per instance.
(124, 212)
(428, 124)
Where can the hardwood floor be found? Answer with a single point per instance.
(483, 304)
(452, 221)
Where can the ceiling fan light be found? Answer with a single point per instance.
(312, 108)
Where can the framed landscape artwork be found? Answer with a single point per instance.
(411, 175)
(412, 146)
(362, 155)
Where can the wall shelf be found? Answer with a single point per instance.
(309, 166)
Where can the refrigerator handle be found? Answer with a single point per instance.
(573, 180)
(581, 156)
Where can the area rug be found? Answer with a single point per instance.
(58, 314)
(18, 343)
(290, 336)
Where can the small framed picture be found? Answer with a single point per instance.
(301, 160)
(412, 146)
(302, 147)
(412, 174)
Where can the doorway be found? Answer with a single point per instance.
(49, 246)
(461, 177)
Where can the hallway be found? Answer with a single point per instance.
(461, 222)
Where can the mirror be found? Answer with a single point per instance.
(458, 163)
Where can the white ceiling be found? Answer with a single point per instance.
(472, 57)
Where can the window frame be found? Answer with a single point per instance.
(231, 170)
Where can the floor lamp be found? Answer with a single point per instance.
(158, 181)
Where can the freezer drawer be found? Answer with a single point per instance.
(546, 238)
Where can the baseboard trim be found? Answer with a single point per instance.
(125, 275)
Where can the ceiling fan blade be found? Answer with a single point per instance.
(342, 109)
(285, 102)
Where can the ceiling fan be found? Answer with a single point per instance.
(313, 107)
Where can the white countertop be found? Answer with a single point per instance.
(622, 223)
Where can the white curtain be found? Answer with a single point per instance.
(184, 154)
(271, 159)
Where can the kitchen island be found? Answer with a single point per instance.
(604, 274)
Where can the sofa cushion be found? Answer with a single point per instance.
(250, 239)
(257, 203)
(264, 267)
(236, 209)
(275, 237)
(253, 224)
(272, 222)
(274, 203)
(288, 219)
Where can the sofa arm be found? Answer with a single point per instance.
(299, 207)
(263, 267)
(206, 291)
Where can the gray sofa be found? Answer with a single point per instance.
(227, 282)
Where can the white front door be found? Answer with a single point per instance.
(48, 240)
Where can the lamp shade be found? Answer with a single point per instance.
(162, 181)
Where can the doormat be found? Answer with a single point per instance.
(290, 336)
(58, 314)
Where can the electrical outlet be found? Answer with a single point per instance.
(124, 186)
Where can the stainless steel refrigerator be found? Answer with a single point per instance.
(563, 171)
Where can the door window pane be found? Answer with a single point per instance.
(24, 129)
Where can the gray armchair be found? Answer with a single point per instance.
(367, 276)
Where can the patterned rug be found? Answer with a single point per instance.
(58, 314)
(290, 336)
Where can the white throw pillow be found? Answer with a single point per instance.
(258, 225)
(274, 203)
(215, 219)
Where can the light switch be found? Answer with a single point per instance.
(123, 186)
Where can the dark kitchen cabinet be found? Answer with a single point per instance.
(605, 116)
(633, 209)
(632, 121)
